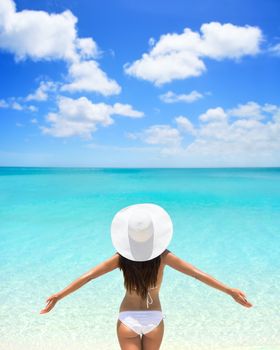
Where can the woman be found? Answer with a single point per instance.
(140, 233)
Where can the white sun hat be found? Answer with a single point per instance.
(141, 232)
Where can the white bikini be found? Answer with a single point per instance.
(142, 321)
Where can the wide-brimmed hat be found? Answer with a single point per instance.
(141, 232)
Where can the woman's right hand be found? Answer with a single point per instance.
(51, 301)
(240, 297)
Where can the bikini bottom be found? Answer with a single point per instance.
(141, 321)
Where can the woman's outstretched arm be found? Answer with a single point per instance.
(99, 270)
(178, 264)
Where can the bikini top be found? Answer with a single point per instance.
(149, 298)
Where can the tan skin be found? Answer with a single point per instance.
(128, 339)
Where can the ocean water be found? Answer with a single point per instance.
(55, 225)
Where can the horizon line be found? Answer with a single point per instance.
(124, 167)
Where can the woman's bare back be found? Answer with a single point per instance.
(132, 301)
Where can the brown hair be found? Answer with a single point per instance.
(139, 274)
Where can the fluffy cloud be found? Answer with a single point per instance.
(249, 110)
(159, 135)
(39, 35)
(213, 114)
(87, 48)
(241, 140)
(275, 49)
(171, 97)
(16, 106)
(179, 56)
(221, 41)
(87, 76)
(81, 117)
(3, 104)
(185, 124)
(220, 139)
(126, 110)
(13, 104)
(41, 93)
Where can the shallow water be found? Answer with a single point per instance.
(55, 225)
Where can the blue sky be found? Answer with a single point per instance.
(128, 83)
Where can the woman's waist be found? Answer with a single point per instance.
(128, 304)
(127, 308)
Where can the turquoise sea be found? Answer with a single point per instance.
(55, 225)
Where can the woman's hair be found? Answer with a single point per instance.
(139, 274)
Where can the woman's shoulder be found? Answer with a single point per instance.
(165, 255)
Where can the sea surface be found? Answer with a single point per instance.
(55, 226)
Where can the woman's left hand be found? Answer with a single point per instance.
(240, 297)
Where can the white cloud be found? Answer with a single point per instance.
(249, 110)
(16, 106)
(218, 129)
(161, 69)
(171, 97)
(273, 110)
(240, 142)
(219, 140)
(34, 121)
(213, 114)
(3, 104)
(185, 124)
(246, 124)
(126, 110)
(275, 49)
(159, 135)
(152, 41)
(41, 94)
(87, 48)
(87, 76)
(219, 41)
(13, 103)
(179, 56)
(80, 117)
(39, 35)
(269, 108)
(32, 108)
